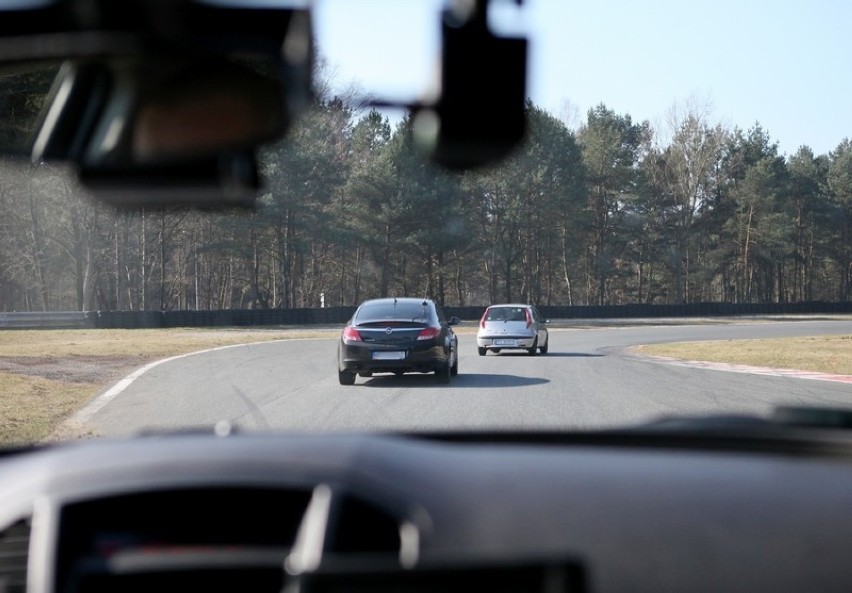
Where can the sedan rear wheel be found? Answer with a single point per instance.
(543, 349)
(346, 377)
(444, 373)
(454, 370)
(481, 351)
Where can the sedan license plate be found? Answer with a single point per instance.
(505, 342)
(388, 355)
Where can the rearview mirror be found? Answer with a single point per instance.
(224, 180)
(155, 95)
(205, 108)
(127, 111)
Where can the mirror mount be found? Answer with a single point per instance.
(480, 115)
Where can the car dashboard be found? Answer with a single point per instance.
(382, 512)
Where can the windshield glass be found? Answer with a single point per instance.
(679, 211)
(23, 89)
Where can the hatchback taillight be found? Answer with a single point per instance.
(529, 317)
(482, 321)
(429, 333)
(350, 334)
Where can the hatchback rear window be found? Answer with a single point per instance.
(506, 314)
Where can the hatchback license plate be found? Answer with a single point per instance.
(505, 342)
(388, 355)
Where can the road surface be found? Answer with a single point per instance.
(586, 381)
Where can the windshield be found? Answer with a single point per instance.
(679, 212)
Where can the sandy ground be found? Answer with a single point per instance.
(72, 369)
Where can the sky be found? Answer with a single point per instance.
(785, 64)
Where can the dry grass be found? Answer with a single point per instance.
(822, 354)
(136, 342)
(31, 407)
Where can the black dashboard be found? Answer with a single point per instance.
(606, 512)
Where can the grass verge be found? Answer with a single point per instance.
(821, 354)
(31, 407)
(137, 342)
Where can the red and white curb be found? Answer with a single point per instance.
(753, 370)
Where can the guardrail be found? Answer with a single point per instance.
(46, 320)
(339, 315)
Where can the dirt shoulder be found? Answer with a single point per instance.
(73, 369)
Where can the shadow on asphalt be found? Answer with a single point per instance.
(548, 355)
(462, 380)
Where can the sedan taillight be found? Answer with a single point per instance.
(482, 321)
(350, 334)
(429, 333)
(529, 317)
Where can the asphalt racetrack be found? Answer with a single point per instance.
(588, 380)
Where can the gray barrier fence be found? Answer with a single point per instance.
(339, 315)
(47, 320)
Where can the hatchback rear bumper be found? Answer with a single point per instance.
(503, 341)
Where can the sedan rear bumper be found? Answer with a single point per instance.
(359, 358)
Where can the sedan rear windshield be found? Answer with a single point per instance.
(387, 311)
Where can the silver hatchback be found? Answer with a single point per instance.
(512, 327)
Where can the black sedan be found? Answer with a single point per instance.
(398, 335)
